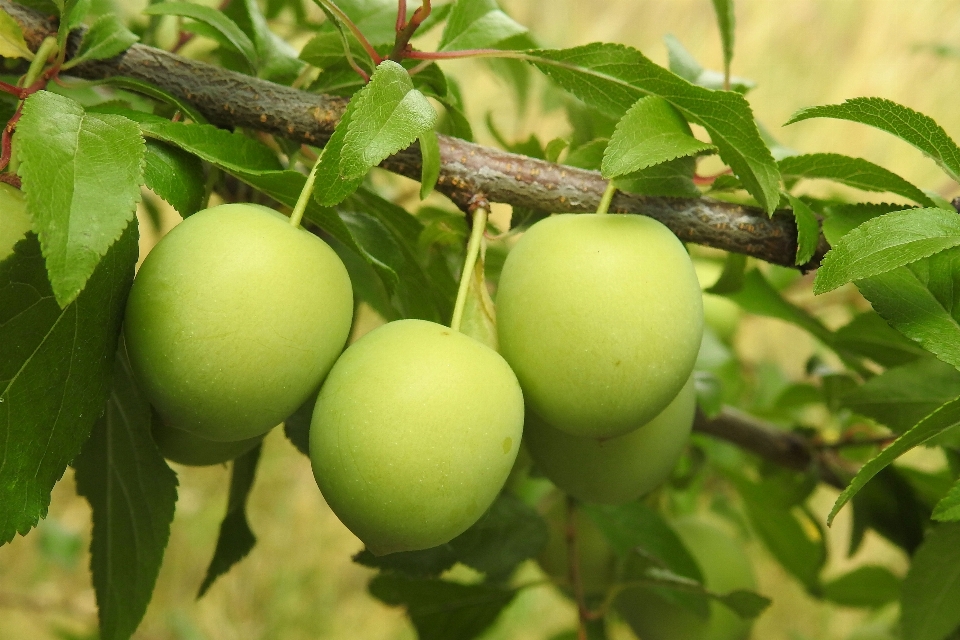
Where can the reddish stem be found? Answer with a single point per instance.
(455, 55)
(11, 89)
(405, 30)
(401, 15)
(698, 179)
(12, 179)
(6, 140)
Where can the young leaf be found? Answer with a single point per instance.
(920, 301)
(55, 368)
(430, 152)
(105, 39)
(12, 44)
(841, 219)
(442, 610)
(918, 129)
(477, 24)
(727, 21)
(867, 586)
(389, 115)
(650, 133)
(948, 508)
(682, 63)
(133, 493)
(853, 172)
(175, 176)
(885, 243)
(673, 179)
(932, 586)
(945, 417)
(612, 77)
(808, 229)
(276, 59)
(901, 396)
(226, 27)
(479, 313)
(82, 174)
(235, 540)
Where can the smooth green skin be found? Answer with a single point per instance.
(414, 434)
(14, 219)
(601, 318)
(185, 448)
(598, 561)
(615, 470)
(234, 319)
(725, 567)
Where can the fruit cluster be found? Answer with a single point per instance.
(237, 318)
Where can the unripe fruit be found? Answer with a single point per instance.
(414, 434)
(600, 317)
(725, 567)
(186, 448)
(615, 470)
(234, 319)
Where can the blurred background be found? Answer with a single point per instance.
(299, 581)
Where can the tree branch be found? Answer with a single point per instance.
(783, 448)
(230, 99)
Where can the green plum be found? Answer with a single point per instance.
(234, 319)
(615, 470)
(186, 448)
(14, 220)
(414, 434)
(601, 318)
(725, 567)
(598, 561)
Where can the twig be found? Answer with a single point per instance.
(405, 30)
(573, 569)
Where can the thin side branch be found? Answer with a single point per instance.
(230, 99)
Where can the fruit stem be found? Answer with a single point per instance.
(47, 48)
(297, 214)
(473, 250)
(607, 198)
(573, 568)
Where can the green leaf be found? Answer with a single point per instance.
(917, 129)
(808, 229)
(326, 49)
(731, 278)
(920, 301)
(389, 115)
(55, 368)
(226, 27)
(147, 89)
(948, 508)
(276, 59)
(612, 77)
(175, 176)
(902, 396)
(727, 22)
(133, 493)
(430, 152)
(682, 63)
(853, 172)
(885, 243)
(650, 133)
(82, 174)
(15, 222)
(843, 218)
(477, 24)
(745, 604)
(889, 505)
(442, 610)
(672, 179)
(867, 586)
(932, 586)
(12, 44)
(870, 336)
(105, 39)
(235, 540)
(945, 417)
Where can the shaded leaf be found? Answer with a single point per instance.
(932, 586)
(853, 172)
(808, 229)
(430, 153)
(948, 508)
(672, 179)
(913, 127)
(12, 44)
(650, 133)
(55, 370)
(235, 539)
(226, 27)
(885, 243)
(477, 24)
(868, 586)
(175, 176)
(133, 493)
(889, 505)
(82, 174)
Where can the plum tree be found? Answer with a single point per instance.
(414, 434)
(601, 318)
(614, 470)
(234, 319)
(190, 449)
(725, 568)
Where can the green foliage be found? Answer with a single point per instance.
(175, 176)
(12, 44)
(132, 493)
(853, 172)
(477, 24)
(808, 229)
(224, 29)
(932, 581)
(430, 152)
(727, 21)
(868, 586)
(105, 39)
(67, 156)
